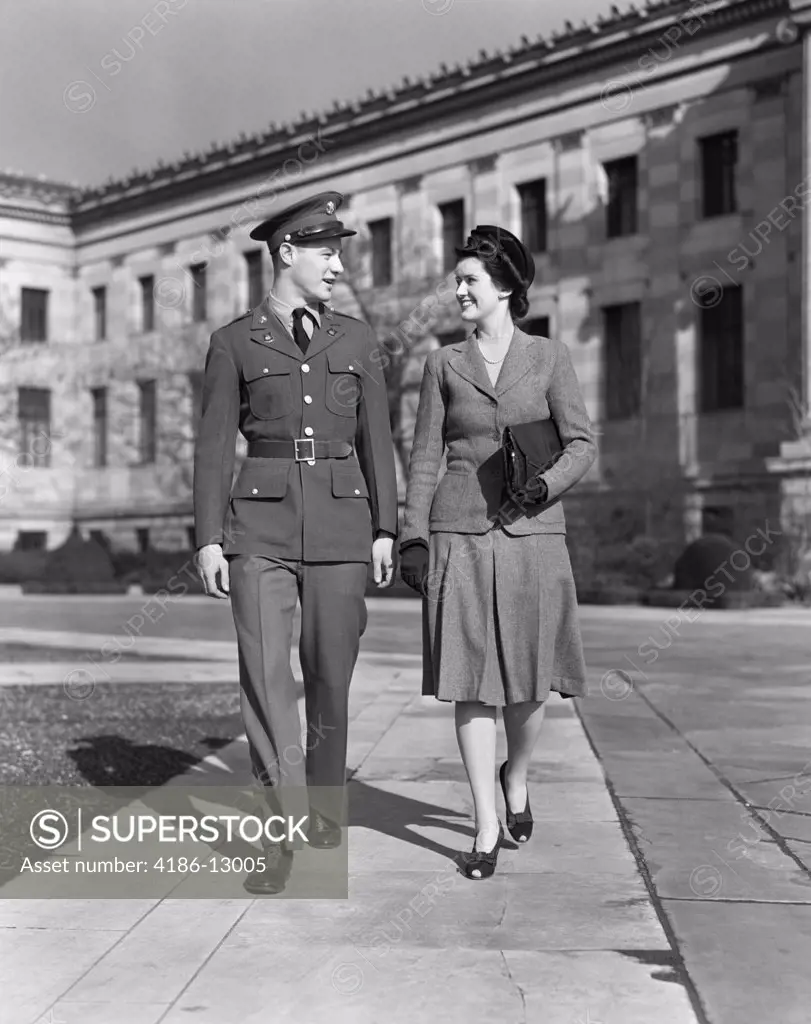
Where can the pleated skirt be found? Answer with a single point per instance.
(500, 620)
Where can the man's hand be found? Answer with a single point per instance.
(213, 569)
(382, 561)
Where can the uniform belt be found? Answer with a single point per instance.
(302, 449)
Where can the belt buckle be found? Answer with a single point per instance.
(304, 440)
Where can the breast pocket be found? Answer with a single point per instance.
(343, 384)
(270, 389)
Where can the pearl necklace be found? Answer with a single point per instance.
(498, 337)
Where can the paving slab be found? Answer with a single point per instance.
(676, 774)
(111, 1010)
(148, 963)
(693, 848)
(399, 987)
(749, 961)
(37, 964)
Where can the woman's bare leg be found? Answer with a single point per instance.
(476, 734)
(522, 723)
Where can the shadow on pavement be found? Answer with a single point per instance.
(112, 760)
(395, 815)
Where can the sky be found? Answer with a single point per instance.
(92, 89)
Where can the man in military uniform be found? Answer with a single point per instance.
(314, 502)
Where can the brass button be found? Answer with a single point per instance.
(265, 370)
(255, 490)
(308, 431)
(310, 462)
(262, 319)
(351, 367)
(307, 399)
(357, 491)
(305, 368)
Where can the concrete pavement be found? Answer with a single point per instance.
(566, 930)
(637, 900)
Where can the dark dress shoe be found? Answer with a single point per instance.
(520, 824)
(479, 864)
(272, 878)
(323, 833)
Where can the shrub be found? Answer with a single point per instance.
(22, 566)
(79, 561)
(172, 571)
(705, 564)
(77, 567)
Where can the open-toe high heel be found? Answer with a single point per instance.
(519, 825)
(479, 864)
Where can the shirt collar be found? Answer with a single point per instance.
(284, 310)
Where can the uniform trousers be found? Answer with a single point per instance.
(264, 592)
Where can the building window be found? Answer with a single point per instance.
(147, 303)
(621, 208)
(538, 326)
(721, 353)
(256, 277)
(719, 157)
(453, 228)
(198, 300)
(380, 231)
(100, 313)
(533, 214)
(147, 438)
(100, 538)
(33, 314)
(196, 389)
(31, 540)
(623, 361)
(34, 414)
(142, 537)
(452, 337)
(718, 519)
(99, 396)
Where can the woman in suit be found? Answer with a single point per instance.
(500, 624)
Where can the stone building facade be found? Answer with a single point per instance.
(658, 161)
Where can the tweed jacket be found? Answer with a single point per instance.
(463, 415)
(258, 381)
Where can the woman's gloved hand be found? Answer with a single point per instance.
(534, 492)
(414, 563)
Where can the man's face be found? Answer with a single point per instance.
(315, 268)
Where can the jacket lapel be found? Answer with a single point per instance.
(468, 363)
(519, 362)
(267, 329)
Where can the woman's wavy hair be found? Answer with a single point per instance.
(508, 262)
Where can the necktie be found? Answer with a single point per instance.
(299, 333)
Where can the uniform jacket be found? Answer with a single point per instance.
(258, 381)
(461, 411)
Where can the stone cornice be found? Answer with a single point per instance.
(40, 216)
(353, 126)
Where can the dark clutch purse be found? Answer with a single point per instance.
(529, 449)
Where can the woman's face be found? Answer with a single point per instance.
(477, 293)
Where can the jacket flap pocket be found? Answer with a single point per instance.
(262, 478)
(263, 364)
(348, 481)
(343, 363)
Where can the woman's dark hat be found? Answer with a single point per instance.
(488, 242)
(311, 220)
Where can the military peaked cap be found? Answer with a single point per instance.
(311, 220)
